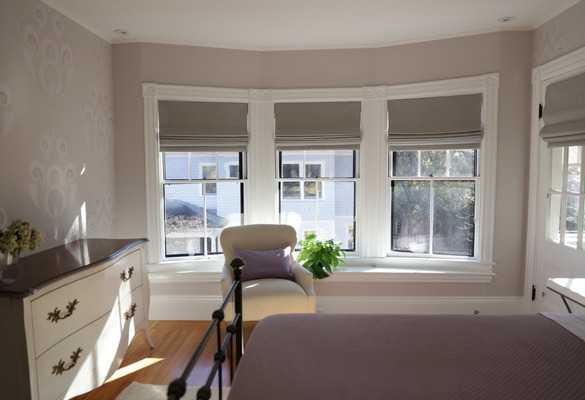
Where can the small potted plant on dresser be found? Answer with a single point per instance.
(320, 256)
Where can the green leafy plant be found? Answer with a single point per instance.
(320, 256)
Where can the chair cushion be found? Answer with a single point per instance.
(264, 297)
(265, 263)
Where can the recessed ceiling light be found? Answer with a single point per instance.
(507, 19)
(121, 32)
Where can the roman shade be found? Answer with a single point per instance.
(564, 112)
(331, 125)
(202, 126)
(435, 122)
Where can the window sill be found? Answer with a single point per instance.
(354, 269)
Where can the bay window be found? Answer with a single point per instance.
(403, 176)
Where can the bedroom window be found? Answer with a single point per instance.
(434, 144)
(317, 147)
(433, 201)
(567, 196)
(198, 204)
(318, 191)
(201, 174)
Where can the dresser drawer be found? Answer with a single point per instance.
(132, 313)
(65, 371)
(65, 310)
(127, 272)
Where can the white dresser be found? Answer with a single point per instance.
(67, 320)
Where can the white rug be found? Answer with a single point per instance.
(142, 391)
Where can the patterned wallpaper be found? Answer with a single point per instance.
(56, 125)
(560, 35)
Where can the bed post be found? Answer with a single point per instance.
(238, 264)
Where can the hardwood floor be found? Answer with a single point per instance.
(175, 342)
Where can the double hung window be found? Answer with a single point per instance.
(434, 174)
(202, 180)
(318, 145)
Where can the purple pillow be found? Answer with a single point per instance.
(265, 263)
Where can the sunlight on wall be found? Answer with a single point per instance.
(78, 228)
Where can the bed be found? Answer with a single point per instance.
(334, 356)
(341, 356)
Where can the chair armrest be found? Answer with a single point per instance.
(303, 277)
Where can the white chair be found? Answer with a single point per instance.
(266, 296)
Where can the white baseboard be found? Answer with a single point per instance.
(191, 307)
(419, 305)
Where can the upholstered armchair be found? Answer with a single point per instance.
(269, 287)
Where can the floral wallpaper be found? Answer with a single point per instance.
(560, 35)
(56, 125)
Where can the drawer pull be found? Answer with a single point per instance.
(55, 316)
(130, 313)
(60, 367)
(125, 277)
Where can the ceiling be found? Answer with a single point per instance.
(265, 25)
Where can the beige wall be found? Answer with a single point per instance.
(56, 125)
(507, 53)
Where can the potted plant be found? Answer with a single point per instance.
(320, 256)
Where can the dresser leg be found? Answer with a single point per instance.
(150, 343)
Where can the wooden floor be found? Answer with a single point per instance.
(174, 344)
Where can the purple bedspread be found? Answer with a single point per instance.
(336, 357)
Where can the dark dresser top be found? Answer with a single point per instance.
(33, 271)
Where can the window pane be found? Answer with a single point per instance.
(572, 221)
(433, 163)
(311, 189)
(454, 216)
(574, 173)
(175, 165)
(343, 164)
(228, 165)
(312, 170)
(291, 190)
(193, 222)
(184, 219)
(336, 219)
(203, 164)
(556, 177)
(461, 162)
(405, 163)
(555, 218)
(410, 216)
(290, 170)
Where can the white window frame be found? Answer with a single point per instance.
(488, 86)
(261, 193)
(152, 93)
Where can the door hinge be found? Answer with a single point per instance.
(540, 111)
(533, 292)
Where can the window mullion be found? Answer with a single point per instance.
(431, 214)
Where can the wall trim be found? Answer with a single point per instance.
(197, 307)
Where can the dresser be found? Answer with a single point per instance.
(69, 316)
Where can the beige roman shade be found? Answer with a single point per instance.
(202, 126)
(564, 112)
(331, 125)
(435, 122)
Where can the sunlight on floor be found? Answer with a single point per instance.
(134, 367)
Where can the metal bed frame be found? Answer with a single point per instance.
(178, 387)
